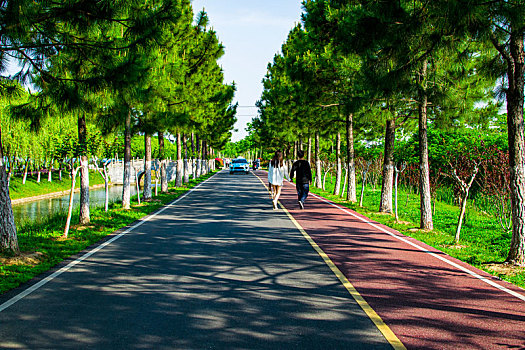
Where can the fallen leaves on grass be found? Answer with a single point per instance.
(25, 258)
(505, 268)
(401, 222)
(81, 227)
(454, 246)
(417, 229)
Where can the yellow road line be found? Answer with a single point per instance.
(374, 317)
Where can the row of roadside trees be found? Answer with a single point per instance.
(392, 70)
(118, 67)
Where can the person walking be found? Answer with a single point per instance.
(303, 171)
(276, 176)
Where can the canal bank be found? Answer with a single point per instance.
(40, 208)
(19, 201)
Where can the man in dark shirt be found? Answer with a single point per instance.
(304, 176)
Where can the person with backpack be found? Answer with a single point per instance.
(302, 169)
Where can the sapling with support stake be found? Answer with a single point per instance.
(74, 172)
(468, 169)
(398, 170)
(364, 172)
(137, 181)
(345, 181)
(328, 168)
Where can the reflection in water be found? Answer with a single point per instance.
(40, 210)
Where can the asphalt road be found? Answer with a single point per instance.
(217, 270)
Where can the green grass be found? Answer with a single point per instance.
(32, 188)
(46, 237)
(482, 241)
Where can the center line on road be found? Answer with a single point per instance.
(389, 335)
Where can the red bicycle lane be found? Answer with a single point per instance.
(427, 298)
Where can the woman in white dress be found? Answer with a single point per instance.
(276, 176)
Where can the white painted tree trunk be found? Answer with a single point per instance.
(137, 184)
(26, 169)
(337, 187)
(50, 172)
(147, 167)
(351, 194)
(179, 178)
(163, 176)
(186, 171)
(318, 170)
(84, 191)
(198, 168)
(126, 181)
(74, 172)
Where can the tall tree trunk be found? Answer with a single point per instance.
(385, 205)
(11, 167)
(515, 92)
(147, 167)
(204, 158)
(186, 163)
(106, 187)
(193, 167)
(163, 171)
(318, 173)
(137, 183)
(84, 171)
(198, 165)
(351, 194)
(8, 236)
(338, 170)
(192, 145)
(426, 222)
(126, 181)
(309, 149)
(26, 169)
(396, 179)
(209, 157)
(345, 181)
(50, 171)
(178, 181)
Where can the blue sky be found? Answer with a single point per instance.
(252, 33)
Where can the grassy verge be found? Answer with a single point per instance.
(483, 244)
(32, 188)
(44, 246)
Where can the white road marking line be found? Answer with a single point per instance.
(57, 273)
(472, 273)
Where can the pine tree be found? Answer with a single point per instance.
(502, 24)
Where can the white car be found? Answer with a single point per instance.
(239, 165)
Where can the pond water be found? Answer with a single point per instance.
(40, 210)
